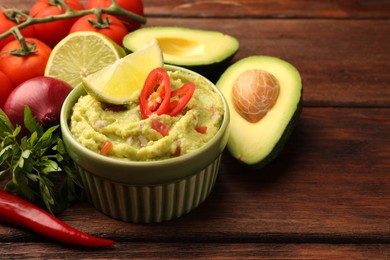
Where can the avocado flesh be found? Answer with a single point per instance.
(203, 51)
(259, 143)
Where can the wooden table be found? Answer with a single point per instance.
(326, 196)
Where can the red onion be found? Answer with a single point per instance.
(44, 96)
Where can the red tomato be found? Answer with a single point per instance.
(21, 68)
(113, 29)
(134, 6)
(6, 24)
(5, 89)
(52, 32)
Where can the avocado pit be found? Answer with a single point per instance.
(254, 93)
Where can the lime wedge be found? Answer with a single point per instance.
(81, 53)
(117, 82)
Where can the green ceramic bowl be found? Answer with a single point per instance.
(150, 191)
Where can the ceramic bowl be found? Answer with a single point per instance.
(148, 191)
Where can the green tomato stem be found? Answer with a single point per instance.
(113, 9)
(99, 23)
(25, 49)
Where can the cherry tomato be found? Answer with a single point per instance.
(156, 93)
(110, 26)
(52, 32)
(5, 89)
(6, 24)
(21, 68)
(134, 6)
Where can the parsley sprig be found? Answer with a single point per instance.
(36, 166)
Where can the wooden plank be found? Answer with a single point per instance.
(163, 250)
(327, 194)
(269, 9)
(255, 9)
(330, 184)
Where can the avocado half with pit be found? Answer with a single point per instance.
(204, 51)
(265, 99)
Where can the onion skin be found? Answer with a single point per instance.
(44, 96)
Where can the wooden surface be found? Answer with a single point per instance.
(327, 196)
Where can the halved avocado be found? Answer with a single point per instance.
(204, 51)
(265, 99)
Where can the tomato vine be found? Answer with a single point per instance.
(18, 15)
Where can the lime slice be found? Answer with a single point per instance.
(116, 83)
(81, 53)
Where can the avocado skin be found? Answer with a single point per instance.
(212, 71)
(279, 146)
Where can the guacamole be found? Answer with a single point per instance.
(133, 138)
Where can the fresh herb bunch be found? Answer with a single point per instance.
(36, 166)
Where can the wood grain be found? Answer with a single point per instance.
(336, 188)
(254, 8)
(342, 62)
(269, 9)
(163, 250)
(326, 196)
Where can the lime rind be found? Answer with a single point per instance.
(80, 54)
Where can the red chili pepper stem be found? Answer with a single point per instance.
(17, 211)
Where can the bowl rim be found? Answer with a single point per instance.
(79, 90)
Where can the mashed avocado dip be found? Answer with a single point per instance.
(133, 138)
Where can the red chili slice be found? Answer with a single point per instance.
(180, 98)
(155, 94)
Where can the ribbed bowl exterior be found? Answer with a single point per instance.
(150, 204)
(146, 191)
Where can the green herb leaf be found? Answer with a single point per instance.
(30, 122)
(47, 139)
(37, 167)
(33, 138)
(50, 166)
(4, 174)
(6, 153)
(6, 126)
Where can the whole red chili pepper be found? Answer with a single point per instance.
(17, 211)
